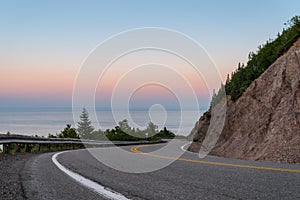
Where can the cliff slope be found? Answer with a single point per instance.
(264, 123)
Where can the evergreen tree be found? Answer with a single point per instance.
(262, 59)
(68, 132)
(165, 133)
(151, 129)
(124, 126)
(84, 125)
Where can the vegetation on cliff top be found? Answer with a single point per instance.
(259, 61)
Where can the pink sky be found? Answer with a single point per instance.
(43, 44)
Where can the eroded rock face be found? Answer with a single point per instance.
(264, 123)
(199, 131)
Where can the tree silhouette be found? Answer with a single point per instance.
(85, 127)
(262, 59)
(68, 132)
(151, 129)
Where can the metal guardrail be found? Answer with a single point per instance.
(19, 142)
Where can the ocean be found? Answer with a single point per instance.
(42, 121)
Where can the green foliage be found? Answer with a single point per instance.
(123, 132)
(124, 126)
(165, 133)
(259, 61)
(68, 132)
(85, 127)
(120, 134)
(151, 129)
(52, 136)
(216, 98)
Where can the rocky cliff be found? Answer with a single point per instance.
(264, 123)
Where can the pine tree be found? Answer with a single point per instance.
(84, 125)
(151, 129)
(68, 132)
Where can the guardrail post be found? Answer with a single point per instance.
(17, 148)
(28, 148)
(38, 147)
(6, 148)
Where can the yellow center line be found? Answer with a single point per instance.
(135, 150)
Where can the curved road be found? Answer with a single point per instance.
(186, 178)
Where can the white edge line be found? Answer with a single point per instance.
(87, 182)
(183, 147)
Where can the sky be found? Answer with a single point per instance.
(44, 43)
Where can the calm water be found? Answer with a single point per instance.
(41, 121)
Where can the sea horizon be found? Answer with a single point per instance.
(44, 120)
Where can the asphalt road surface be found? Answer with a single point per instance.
(185, 178)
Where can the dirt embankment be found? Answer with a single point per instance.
(264, 123)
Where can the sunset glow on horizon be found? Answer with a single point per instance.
(44, 45)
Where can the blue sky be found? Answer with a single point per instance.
(44, 42)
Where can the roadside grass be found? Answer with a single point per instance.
(34, 148)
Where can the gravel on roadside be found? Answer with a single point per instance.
(11, 167)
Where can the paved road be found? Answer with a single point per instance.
(187, 178)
